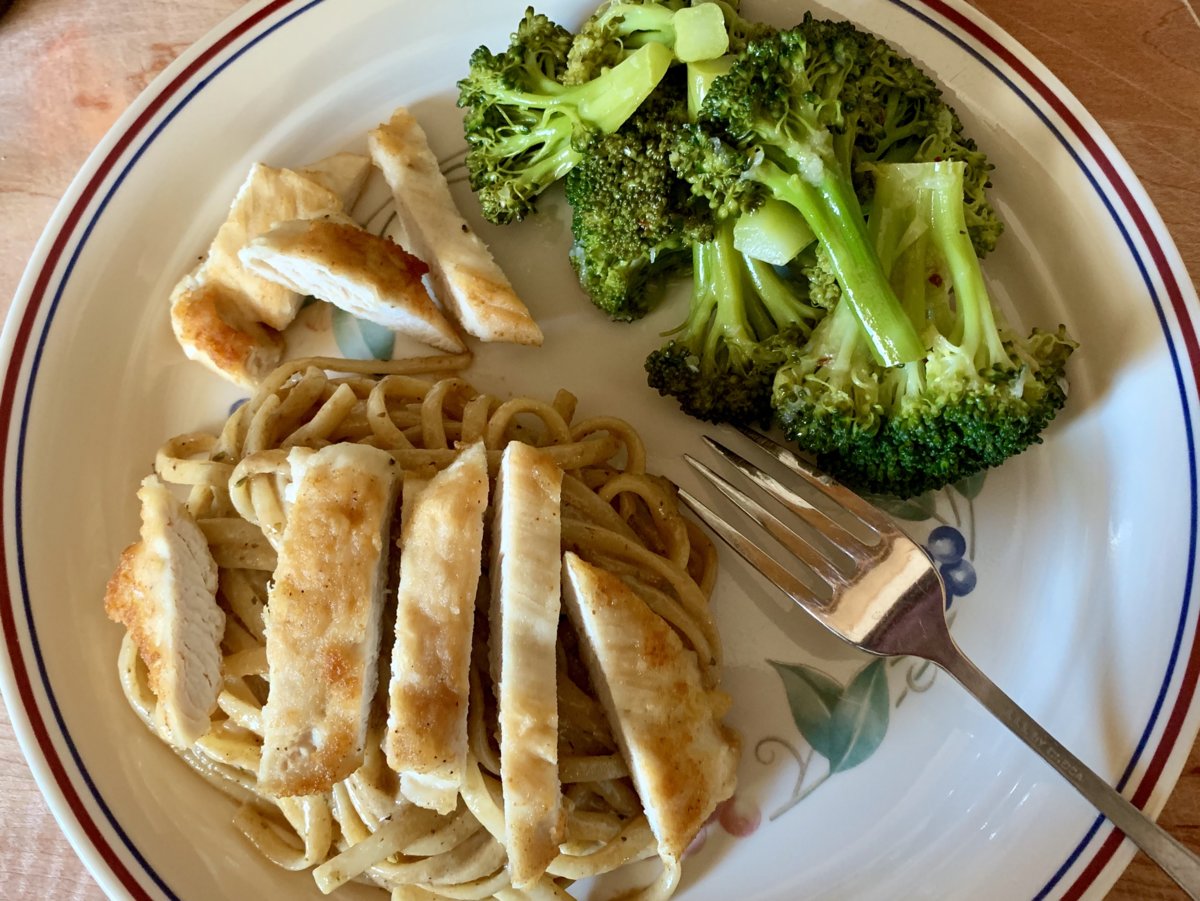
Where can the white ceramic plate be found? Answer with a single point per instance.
(1075, 581)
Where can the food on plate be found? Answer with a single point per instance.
(667, 723)
(228, 317)
(757, 170)
(289, 235)
(526, 127)
(369, 276)
(345, 174)
(442, 538)
(466, 278)
(980, 394)
(291, 496)
(526, 601)
(212, 327)
(634, 220)
(268, 196)
(324, 607)
(165, 594)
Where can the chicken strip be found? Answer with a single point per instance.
(344, 174)
(525, 567)
(441, 555)
(323, 617)
(165, 593)
(682, 759)
(211, 328)
(367, 276)
(466, 279)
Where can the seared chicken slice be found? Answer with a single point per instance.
(524, 575)
(440, 561)
(323, 617)
(267, 197)
(165, 593)
(211, 328)
(344, 174)
(466, 279)
(682, 759)
(363, 274)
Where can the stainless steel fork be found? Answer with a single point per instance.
(871, 585)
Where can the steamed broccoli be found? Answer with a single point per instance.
(743, 321)
(633, 219)
(525, 129)
(979, 395)
(781, 105)
(895, 113)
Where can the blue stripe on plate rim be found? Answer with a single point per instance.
(961, 27)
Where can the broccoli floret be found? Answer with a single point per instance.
(634, 219)
(781, 105)
(895, 113)
(525, 129)
(743, 321)
(981, 393)
(613, 31)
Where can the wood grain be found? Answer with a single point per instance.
(72, 66)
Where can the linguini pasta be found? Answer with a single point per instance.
(614, 515)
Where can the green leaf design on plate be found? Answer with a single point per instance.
(971, 485)
(812, 697)
(860, 718)
(358, 339)
(844, 724)
(915, 509)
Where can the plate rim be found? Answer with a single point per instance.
(965, 26)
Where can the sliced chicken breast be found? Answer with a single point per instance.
(440, 562)
(363, 274)
(682, 759)
(267, 197)
(525, 579)
(165, 593)
(323, 617)
(466, 279)
(344, 174)
(211, 328)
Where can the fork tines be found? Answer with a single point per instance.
(830, 551)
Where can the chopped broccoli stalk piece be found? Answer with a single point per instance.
(981, 393)
(701, 75)
(742, 322)
(525, 130)
(700, 33)
(697, 32)
(773, 233)
(633, 219)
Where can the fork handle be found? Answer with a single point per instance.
(1176, 861)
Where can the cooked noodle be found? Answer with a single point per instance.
(614, 515)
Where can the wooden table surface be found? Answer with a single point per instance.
(71, 66)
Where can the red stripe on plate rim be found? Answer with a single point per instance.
(21, 675)
(1179, 304)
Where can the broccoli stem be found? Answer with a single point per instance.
(950, 237)
(606, 101)
(700, 76)
(832, 211)
(720, 278)
(937, 190)
(641, 23)
(778, 300)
